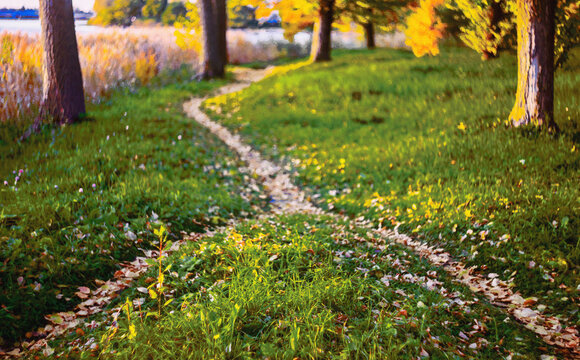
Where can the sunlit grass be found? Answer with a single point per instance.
(302, 287)
(76, 201)
(422, 143)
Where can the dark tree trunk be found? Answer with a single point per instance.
(535, 93)
(495, 14)
(222, 28)
(321, 44)
(370, 35)
(63, 95)
(214, 23)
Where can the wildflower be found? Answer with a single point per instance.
(5, 183)
(179, 137)
(81, 190)
(94, 186)
(56, 186)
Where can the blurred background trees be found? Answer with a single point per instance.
(127, 12)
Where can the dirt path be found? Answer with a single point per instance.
(288, 198)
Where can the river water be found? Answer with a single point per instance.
(33, 26)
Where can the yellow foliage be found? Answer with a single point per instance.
(188, 33)
(424, 28)
(145, 67)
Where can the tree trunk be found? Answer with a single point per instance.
(222, 28)
(535, 93)
(370, 35)
(321, 45)
(214, 23)
(495, 14)
(63, 95)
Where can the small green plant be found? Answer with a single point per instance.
(157, 289)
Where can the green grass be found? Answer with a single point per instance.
(302, 287)
(140, 156)
(423, 143)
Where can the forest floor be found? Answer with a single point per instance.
(311, 275)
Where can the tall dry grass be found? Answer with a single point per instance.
(116, 57)
(108, 59)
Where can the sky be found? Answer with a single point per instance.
(15, 4)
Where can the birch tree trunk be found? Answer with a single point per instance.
(62, 88)
(535, 92)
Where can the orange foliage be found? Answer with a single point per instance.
(424, 28)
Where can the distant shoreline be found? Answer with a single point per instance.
(32, 14)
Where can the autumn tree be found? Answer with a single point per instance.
(425, 28)
(489, 22)
(117, 12)
(63, 95)
(298, 15)
(546, 30)
(372, 15)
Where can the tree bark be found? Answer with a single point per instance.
(214, 23)
(63, 95)
(321, 44)
(495, 14)
(370, 35)
(535, 92)
(222, 28)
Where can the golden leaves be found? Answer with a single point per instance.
(424, 29)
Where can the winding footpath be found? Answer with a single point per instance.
(288, 199)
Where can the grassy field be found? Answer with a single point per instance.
(78, 200)
(422, 143)
(415, 143)
(301, 287)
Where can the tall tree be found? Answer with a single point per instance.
(63, 94)
(488, 24)
(372, 15)
(369, 28)
(322, 36)
(214, 28)
(536, 26)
